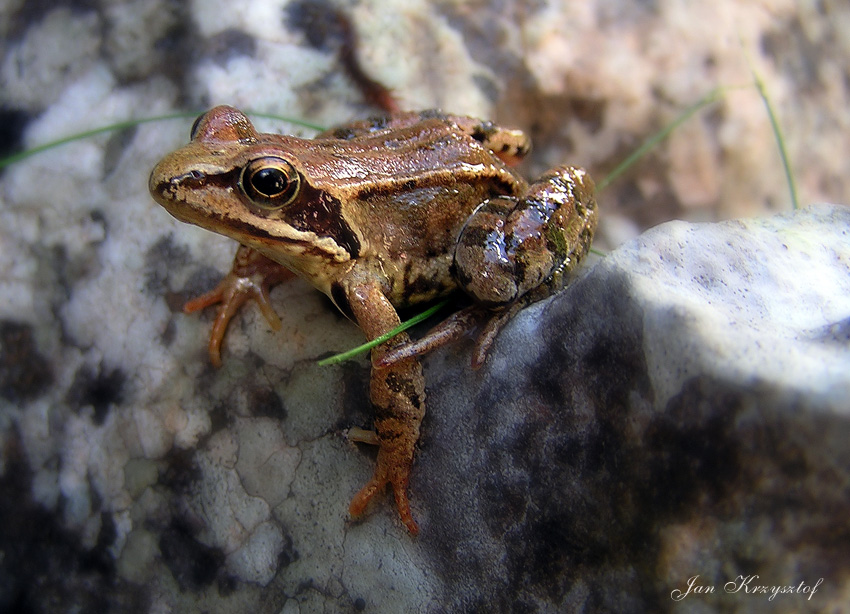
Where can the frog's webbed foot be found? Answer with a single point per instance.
(251, 277)
(397, 430)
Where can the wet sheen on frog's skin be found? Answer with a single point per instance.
(379, 215)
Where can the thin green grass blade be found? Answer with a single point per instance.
(130, 123)
(659, 136)
(347, 355)
(777, 134)
(22, 155)
(288, 120)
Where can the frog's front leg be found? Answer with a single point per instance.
(250, 277)
(398, 394)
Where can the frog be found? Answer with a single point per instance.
(380, 215)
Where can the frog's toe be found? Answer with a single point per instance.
(489, 333)
(402, 504)
(230, 294)
(362, 499)
(355, 433)
(243, 283)
(375, 486)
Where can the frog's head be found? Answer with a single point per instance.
(252, 187)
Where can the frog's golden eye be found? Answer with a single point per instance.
(270, 182)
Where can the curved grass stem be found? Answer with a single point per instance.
(123, 125)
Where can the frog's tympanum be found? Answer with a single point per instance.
(379, 215)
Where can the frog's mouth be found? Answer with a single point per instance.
(179, 195)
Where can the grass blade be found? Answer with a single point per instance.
(777, 134)
(130, 123)
(659, 136)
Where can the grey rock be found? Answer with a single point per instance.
(680, 411)
(677, 413)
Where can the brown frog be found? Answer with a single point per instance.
(382, 214)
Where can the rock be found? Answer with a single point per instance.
(642, 439)
(680, 411)
(670, 429)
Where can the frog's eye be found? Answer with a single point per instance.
(270, 183)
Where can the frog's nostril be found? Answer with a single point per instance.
(194, 178)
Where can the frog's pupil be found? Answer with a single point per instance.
(269, 181)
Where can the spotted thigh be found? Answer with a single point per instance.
(515, 247)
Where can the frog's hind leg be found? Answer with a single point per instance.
(514, 251)
(399, 398)
(452, 328)
(513, 246)
(490, 331)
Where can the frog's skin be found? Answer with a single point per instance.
(378, 215)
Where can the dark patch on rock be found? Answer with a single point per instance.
(229, 44)
(488, 86)
(24, 372)
(288, 553)
(44, 567)
(589, 111)
(160, 260)
(357, 409)
(100, 391)
(690, 452)
(181, 471)
(117, 143)
(32, 12)
(795, 54)
(220, 419)
(13, 122)
(837, 332)
(319, 22)
(193, 564)
(227, 585)
(265, 402)
(169, 333)
(555, 498)
(177, 51)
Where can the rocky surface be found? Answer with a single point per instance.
(676, 413)
(681, 414)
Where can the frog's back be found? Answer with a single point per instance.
(410, 183)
